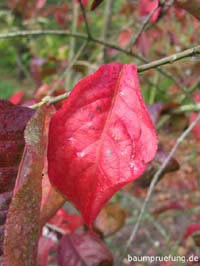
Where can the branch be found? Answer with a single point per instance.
(166, 60)
(66, 33)
(155, 179)
(154, 64)
(170, 59)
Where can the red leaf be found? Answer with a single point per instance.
(16, 98)
(101, 139)
(191, 229)
(66, 222)
(147, 6)
(85, 249)
(95, 4)
(22, 224)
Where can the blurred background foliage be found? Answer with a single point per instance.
(174, 31)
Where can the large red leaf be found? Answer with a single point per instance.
(101, 139)
(83, 249)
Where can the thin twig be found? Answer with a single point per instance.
(72, 44)
(135, 37)
(50, 100)
(155, 179)
(69, 66)
(85, 19)
(107, 23)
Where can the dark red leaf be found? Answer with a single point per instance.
(95, 4)
(13, 120)
(83, 249)
(101, 139)
(22, 225)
